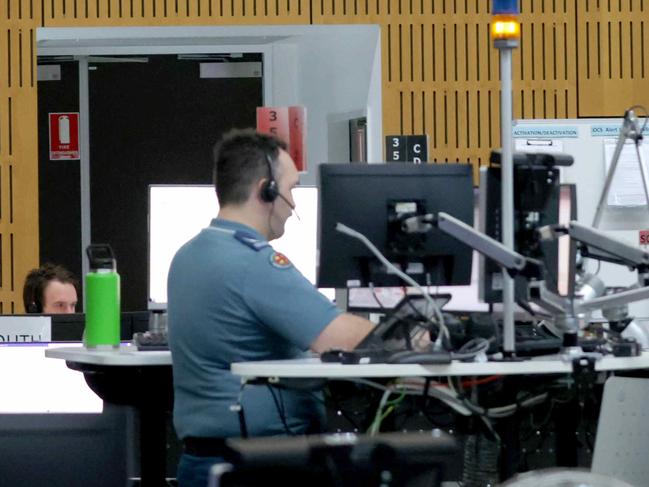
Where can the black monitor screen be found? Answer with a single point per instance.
(374, 199)
(539, 200)
(69, 327)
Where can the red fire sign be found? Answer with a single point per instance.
(64, 136)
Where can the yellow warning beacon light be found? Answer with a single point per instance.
(505, 28)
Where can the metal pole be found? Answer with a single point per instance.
(507, 193)
(84, 163)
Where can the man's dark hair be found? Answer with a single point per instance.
(241, 158)
(38, 279)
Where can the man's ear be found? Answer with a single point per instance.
(259, 189)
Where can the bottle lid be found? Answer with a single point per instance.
(101, 256)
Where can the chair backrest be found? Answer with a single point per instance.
(340, 460)
(554, 477)
(623, 431)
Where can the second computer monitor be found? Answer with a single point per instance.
(539, 200)
(375, 199)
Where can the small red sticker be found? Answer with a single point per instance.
(644, 237)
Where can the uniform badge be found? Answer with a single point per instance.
(279, 260)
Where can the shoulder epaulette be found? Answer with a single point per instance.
(250, 240)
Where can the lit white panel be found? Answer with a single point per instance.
(299, 240)
(178, 213)
(32, 383)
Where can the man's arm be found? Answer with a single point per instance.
(344, 332)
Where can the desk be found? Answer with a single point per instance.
(314, 368)
(566, 453)
(140, 379)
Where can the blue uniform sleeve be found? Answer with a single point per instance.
(285, 301)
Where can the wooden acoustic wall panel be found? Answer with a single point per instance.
(18, 150)
(81, 13)
(441, 74)
(544, 66)
(613, 56)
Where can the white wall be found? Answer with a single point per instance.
(334, 71)
(335, 78)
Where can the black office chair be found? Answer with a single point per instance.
(340, 460)
(564, 478)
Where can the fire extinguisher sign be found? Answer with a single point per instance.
(64, 136)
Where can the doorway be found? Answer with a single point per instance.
(151, 120)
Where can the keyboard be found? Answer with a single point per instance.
(150, 341)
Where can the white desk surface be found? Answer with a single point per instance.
(126, 355)
(313, 368)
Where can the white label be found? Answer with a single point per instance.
(415, 268)
(627, 188)
(49, 72)
(405, 207)
(231, 70)
(64, 130)
(497, 281)
(25, 329)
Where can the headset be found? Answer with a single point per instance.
(270, 190)
(35, 307)
(36, 283)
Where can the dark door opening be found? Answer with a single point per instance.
(151, 122)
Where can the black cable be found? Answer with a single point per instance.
(599, 266)
(280, 409)
(376, 298)
(426, 389)
(243, 427)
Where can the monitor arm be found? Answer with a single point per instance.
(597, 245)
(616, 300)
(489, 247)
(516, 264)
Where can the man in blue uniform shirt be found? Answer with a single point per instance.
(232, 298)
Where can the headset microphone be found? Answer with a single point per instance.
(286, 201)
(291, 205)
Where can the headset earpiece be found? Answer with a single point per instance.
(269, 190)
(36, 283)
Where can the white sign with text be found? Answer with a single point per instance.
(25, 329)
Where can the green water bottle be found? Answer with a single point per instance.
(102, 299)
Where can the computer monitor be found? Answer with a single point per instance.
(374, 199)
(179, 212)
(69, 327)
(539, 199)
